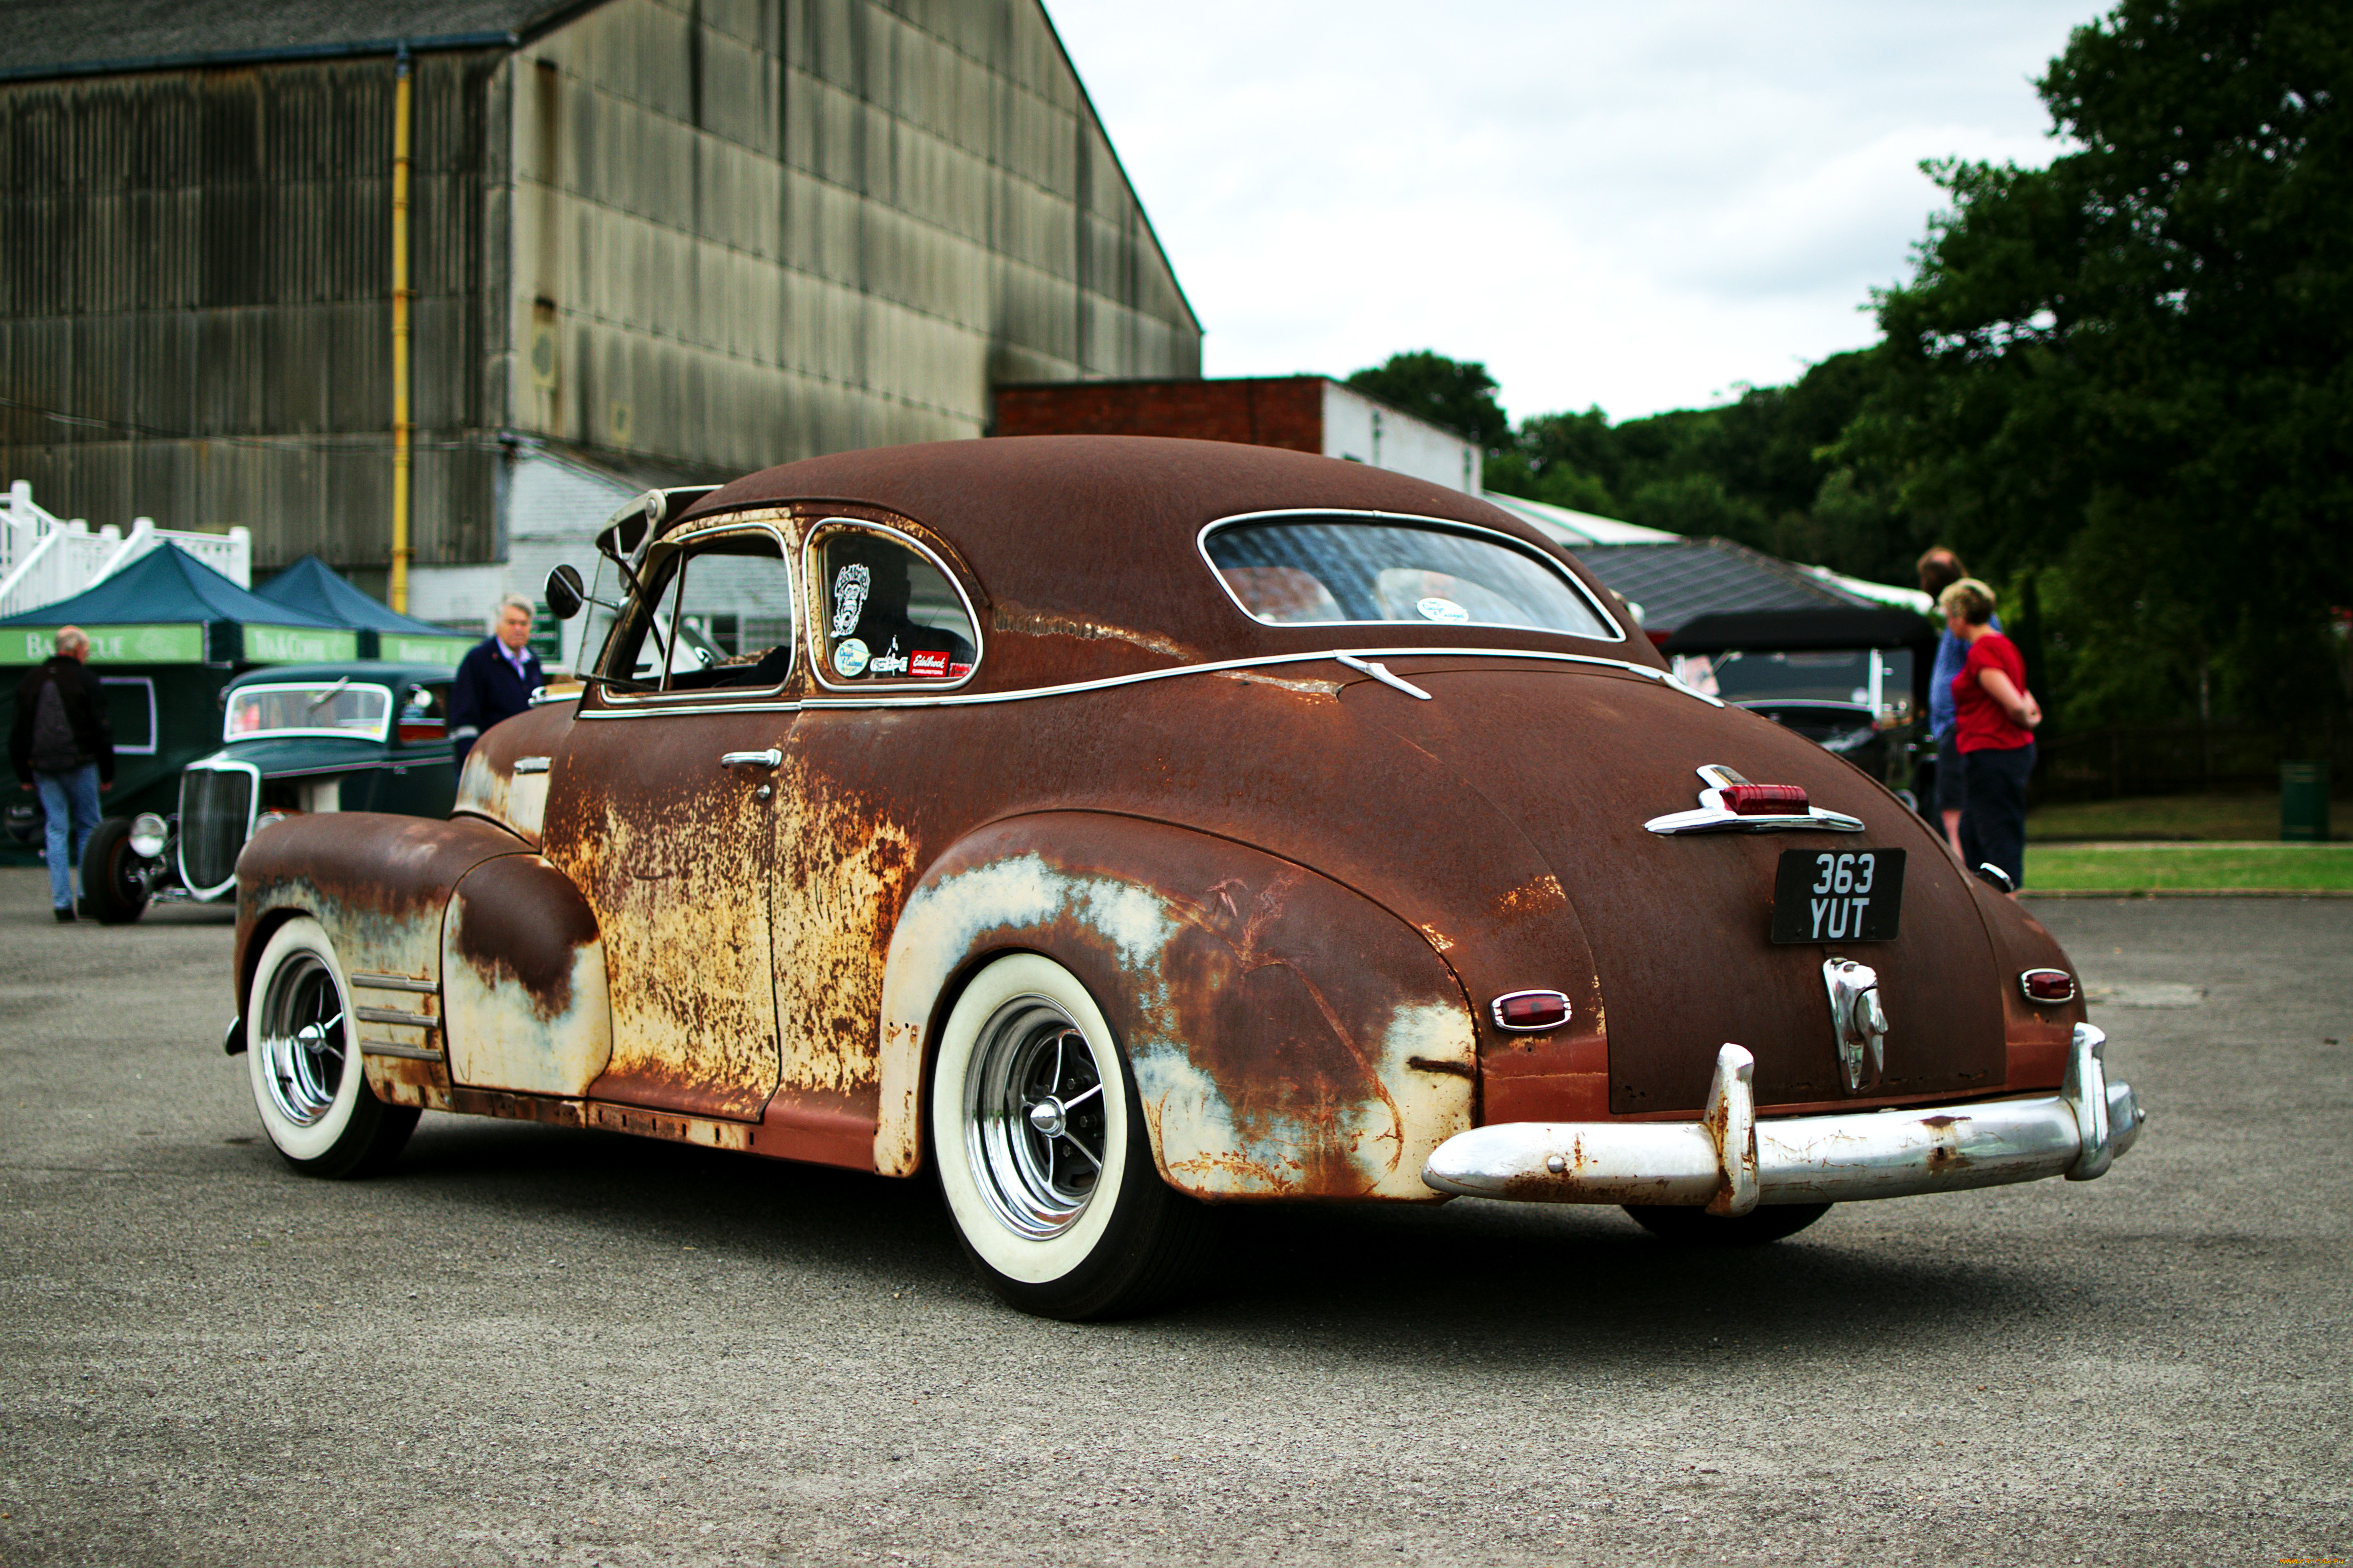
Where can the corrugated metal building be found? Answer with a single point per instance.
(672, 238)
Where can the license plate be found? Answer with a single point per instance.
(1838, 895)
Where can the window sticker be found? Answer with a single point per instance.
(851, 586)
(890, 661)
(1439, 608)
(849, 657)
(928, 664)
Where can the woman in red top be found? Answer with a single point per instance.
(1995, 717)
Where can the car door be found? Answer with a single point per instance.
(663, 808)
(861, 790)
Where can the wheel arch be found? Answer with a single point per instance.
(1289, 1038)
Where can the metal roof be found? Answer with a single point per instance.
(1678, 582)
(1580, 530)
(74, 37)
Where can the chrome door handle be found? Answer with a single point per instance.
(771, 758)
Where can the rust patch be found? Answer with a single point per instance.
(522, 923)
(1432, 1064)
(1286, 683)
(1541, 896)
(540, 1108)
(1022, 619)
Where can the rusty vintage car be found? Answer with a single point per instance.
(1122, 827)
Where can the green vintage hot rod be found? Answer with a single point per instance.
(356, 735)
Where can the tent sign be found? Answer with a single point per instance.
(397, 649)
(181, 643)
(298, 645)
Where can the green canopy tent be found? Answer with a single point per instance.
(166, 633)
(315, 588)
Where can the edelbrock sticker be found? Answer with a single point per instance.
(927, 664)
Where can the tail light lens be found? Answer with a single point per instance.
(1765, 800)
(2048, 985)
(1528, 1012)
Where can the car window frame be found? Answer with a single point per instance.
(814, 638)
(391, 712)
(1436, 524)
(605, 699)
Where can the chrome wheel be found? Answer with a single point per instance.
(302, 1040)
(1035, 1128)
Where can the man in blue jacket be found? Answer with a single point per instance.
(495, 679)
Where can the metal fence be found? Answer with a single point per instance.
(2177, 759)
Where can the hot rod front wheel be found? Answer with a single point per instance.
(1042, 1152)
(305, 1062)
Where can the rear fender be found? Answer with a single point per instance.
(1289, 1038)
(379, 885)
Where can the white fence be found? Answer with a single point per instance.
(45, 558)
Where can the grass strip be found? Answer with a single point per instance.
(2132, 868)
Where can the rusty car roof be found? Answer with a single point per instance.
(1094, 537)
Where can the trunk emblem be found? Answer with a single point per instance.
(1856, 1017)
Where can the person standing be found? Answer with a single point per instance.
(495, 679)
(1993, 725)
(63, 747)
(1939, 570)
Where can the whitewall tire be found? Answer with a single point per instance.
(1042, 1152)
(303, 1061)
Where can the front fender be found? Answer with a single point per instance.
(1289, 1038)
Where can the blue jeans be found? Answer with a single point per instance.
(69, 799)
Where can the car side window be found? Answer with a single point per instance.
(883, 612)
(721, 618)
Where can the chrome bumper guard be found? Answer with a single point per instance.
(1730, 1161)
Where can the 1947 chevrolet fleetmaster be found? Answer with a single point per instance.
(1119, 827)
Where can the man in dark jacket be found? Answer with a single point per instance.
(63, 747)
(495, 679)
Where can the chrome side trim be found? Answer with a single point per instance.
(900, 698)
(406, 1053)
(397, 1015)
(1201, 545)
(1382, 673)
(532, 765)
(372, 981)
(2076, 1133)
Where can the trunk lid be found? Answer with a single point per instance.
(1680, 926)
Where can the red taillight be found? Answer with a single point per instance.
(1528, 1011)
(1765, 800)
(2048, 985)
(412, 733)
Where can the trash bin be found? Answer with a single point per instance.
(2304, 801)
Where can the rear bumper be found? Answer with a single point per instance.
(1729, 1161)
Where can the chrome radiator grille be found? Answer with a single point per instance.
(214, 806)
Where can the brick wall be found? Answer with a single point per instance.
(1285, 411)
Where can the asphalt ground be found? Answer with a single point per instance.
(536, 1345)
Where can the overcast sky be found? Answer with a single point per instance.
(1638, 204)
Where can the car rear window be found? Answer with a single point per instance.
(1335, 570)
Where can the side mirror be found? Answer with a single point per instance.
(566, 592)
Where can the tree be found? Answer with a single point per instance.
(1458, 395)
(2123, 379)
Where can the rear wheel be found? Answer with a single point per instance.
(1697, 1227)
(111, 886)
(305, 1062)
(1042, 1152)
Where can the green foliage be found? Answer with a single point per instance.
(2124, 376)
(1458, 395)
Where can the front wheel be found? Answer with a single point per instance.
(1697, 1227)
(110, 881)
(1042, 1153)
(304, 1061)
